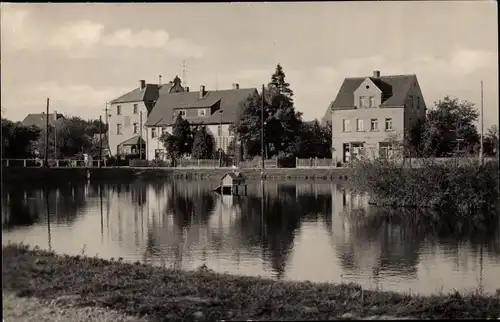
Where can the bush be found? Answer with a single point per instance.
(286, 161)
(464, 188)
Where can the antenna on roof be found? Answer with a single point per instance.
(184, 72)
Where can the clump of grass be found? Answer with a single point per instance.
(173, 295)
(467, 189)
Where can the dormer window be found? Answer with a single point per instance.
(182, 112)
(201, 112)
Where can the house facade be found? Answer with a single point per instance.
(217, 110)
(126, 117)
(130, 129)
(369, 113)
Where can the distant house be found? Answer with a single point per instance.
(370, 111)
(161, 104)
(39, 120)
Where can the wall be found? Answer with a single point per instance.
(154, 143)
(371, 138)
(127, 128)
(413, 110)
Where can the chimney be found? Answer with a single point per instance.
(376, 73)
(186, 89)
(55, 116)
(159, 80)
(236, 86)
(142, 84)
(202, 91)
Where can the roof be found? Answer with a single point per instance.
(227, 100)
(393, 87)
(149, 94)
(233, 175)
(133, 141)
(39, 119)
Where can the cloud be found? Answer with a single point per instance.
(468, 61)
(86, 38)
(81, 33)
(144, 38)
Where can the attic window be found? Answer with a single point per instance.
(367, 86)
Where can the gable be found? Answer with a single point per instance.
(367, 85)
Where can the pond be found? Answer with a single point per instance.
(297, 231)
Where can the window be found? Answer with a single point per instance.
(182, 112)
(219, 130)
(136, 108)
(163, 130)
(136, 128)
(359, 125)
(385, 149)
(118, 129)
(388, 124)
(372, 101)
(363, 101)
(201, 112)
(373, 125)
(346, 126)
(153, 132)
(118, 110)
(418, 102)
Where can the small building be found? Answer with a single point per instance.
(231, 182)
(40, 119)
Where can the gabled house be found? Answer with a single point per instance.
(127, 116)
(369, 112)
(39, 120)
(217, 110)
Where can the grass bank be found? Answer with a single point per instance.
(170, 295)
(124, 174)
(466, 188)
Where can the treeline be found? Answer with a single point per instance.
(74, 136)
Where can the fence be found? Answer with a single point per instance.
(52, 163)
(315, 163)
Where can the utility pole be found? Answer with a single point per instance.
(262, 128)
(100, 141)
(220, 138)
(140, 135)
(55, 134)
(481, 151)
(47, 136)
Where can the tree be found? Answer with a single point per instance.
(448, 124)
(18, 140)
(491, 141)
(314, 140)
(180, 142)
(278, 81)
(281, 121)
(203, 145)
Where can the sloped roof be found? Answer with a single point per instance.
(38, 120)
(133, 141)
(149, 94)
(393, 87)
(228, 100)
(234, 175)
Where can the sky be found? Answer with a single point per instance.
(82, 55)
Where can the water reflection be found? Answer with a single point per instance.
(318, 232)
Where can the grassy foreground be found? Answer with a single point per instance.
(167, 295)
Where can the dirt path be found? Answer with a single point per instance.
(22, 309)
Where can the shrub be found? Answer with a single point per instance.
(466, 188)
